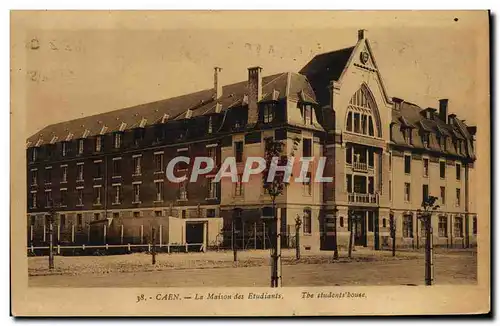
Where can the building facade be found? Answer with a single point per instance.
(104, 175)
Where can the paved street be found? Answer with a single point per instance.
(380, 269)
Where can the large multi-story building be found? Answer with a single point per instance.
(106, 173)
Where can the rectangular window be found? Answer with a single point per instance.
(425, 139)
(458, 171)
(34, 177)
(64, 148)
(474, 225)
(363, 124)
(238, 186)
(307, 221)
(458, 195)
(371, 185)
(212, 153)
(98, 170)
(97, 195)
(268, 112)
(98, 143)
(371, 221)
(442, 191)
(97, 216)
(458, 227)
(442, 169)
(137, 193)
(158, 213)
(137, 165)
(307, 184)
(371, 158)
(80, 146)
(64, 197)
(117, 171)
(48, 175)
(306, 147)
(159, 190)
(79, 172)
(349, 183)
(117, 141)
(426, 167)
(407, 192)
(79, 197)
(408, 226)
(64, 173)
(137, 214)
(138, 136)
(307, 114)
(34, 200)
(425, 192)
(210, 212)
(183, 190)
(212, 188)
(159, 133)
(210, 125)
(238, 151)
(349, 121)
(48, 198)
(34, 154)
(443, 226)
(390, 161)
(79, 220)
(159, 162)
(407, 164)
(348, 154)
(117, 189)
(62, 221)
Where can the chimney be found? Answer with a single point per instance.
(362, 34)
(217, 83)
(443, 109)
(254, 93)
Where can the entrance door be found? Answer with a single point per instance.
(360, 228)
(194, 235)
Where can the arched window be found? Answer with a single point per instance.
(360, 113)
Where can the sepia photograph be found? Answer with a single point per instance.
(196, 157)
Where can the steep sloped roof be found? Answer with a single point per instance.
(285, 85)
(331, 63)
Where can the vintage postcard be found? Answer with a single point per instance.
(246, 163)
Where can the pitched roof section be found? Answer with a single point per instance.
(411, 114)
(332, 63)
(274, 87)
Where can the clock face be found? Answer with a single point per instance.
(364, 56)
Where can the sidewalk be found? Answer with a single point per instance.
(142, 262)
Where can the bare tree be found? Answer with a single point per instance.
(275, 187)
(425, 215)
(298, 223)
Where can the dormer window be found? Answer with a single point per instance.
(159, 133)
(407, 135)
(64, 148)
(80, 146)
(49, 150)
(210, 125)
(117, 139)
(307, 114)
(425, 139)
(98, 143)
(138, 136)
(268, 112)
(34, 154)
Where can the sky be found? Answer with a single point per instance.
(78, 64)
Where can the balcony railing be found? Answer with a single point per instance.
(358, 198)
(358, 166)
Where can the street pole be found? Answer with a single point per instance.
(51, 243)
(428, 250)
(233, 241)
(351, 234)
(335, 240)
(297, 238)
(393, 235)
(153, 249)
